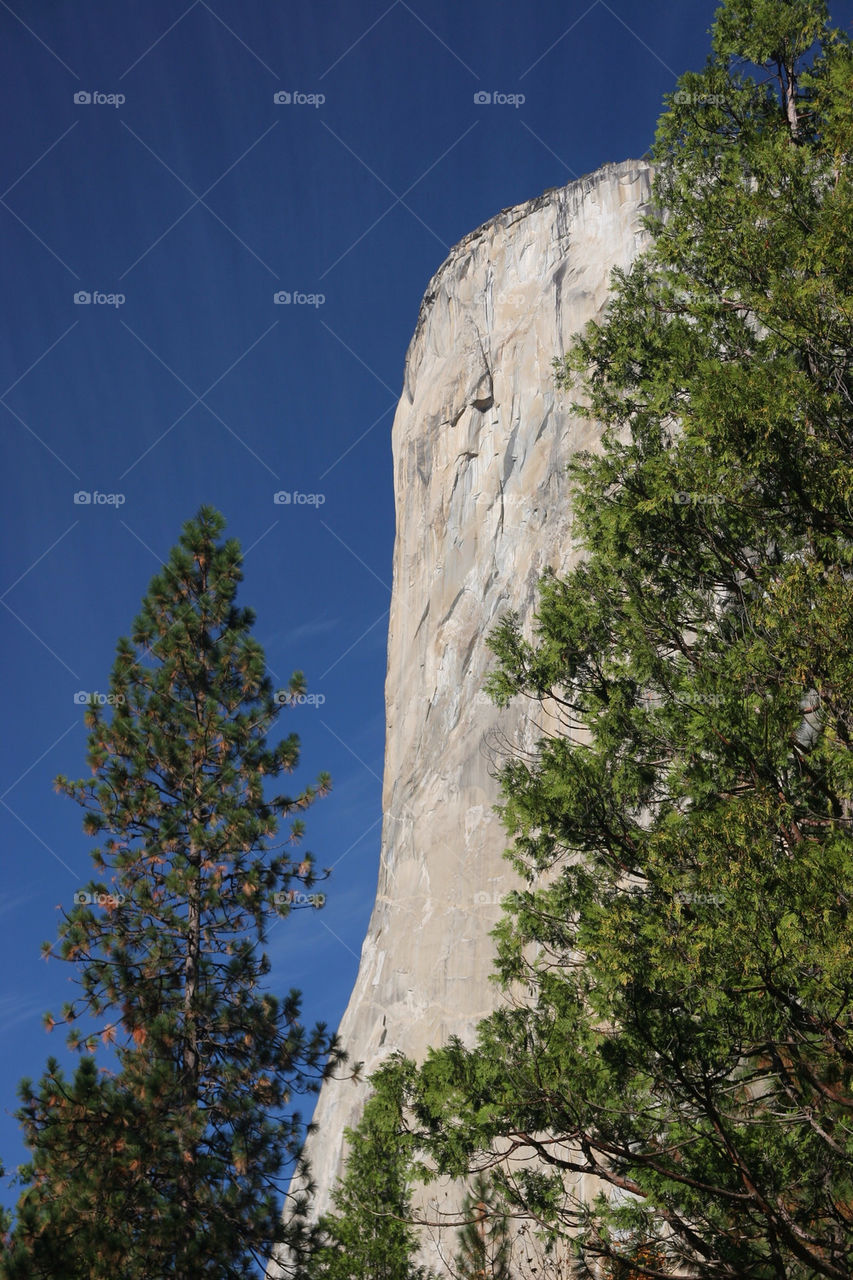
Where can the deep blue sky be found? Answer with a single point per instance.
(198, 198)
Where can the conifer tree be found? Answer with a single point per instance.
(681, 963)
(369, 1236)
(168, 1160)
(485, 1244)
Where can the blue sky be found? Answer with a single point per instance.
(150, 166)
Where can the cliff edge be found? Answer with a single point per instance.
(481, 440)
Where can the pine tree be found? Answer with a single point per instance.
(168, 1161)
(681, 964)
(369, 1236)
(485, 1244)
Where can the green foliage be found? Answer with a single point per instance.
(681, 962)
(169, 1161)
(485, 1243)
(370, 1236)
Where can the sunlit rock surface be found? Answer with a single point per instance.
(481, 439)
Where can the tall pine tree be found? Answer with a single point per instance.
(168, 1162)
(485, 1244)
(369, 1236)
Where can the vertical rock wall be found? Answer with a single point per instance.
(481, 439)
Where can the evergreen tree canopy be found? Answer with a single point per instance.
(169, 1161)
(485, 1243)
(368, 1236)
(680, 966)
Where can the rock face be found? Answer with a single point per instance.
(481, 440)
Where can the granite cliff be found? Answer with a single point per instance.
(481, 439)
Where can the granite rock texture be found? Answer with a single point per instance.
(481, 440)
